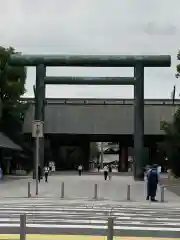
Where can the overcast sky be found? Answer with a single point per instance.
(95, 27)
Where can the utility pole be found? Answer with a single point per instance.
(102, 154)
(173, 96)
(37, 133)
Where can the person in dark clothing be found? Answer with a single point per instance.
(46, 173)
(152, 182)
(39, 173)
(98, 167)
(110, 171)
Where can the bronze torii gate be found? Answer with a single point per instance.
(138, 62)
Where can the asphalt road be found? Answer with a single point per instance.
(55, 217)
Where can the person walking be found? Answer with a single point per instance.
(80, 168)
(46, 173)
(98, 167)
(110, 171)
(159, 170)
(152, 182)
(105, 169)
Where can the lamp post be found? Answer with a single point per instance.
(102, 154)
(173, 97)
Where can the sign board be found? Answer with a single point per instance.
(37, 129)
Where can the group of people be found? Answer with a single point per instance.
(152, 176)
(107, 171)
(46, 173)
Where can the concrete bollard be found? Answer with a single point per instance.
(95, 191)
(62, 190)
(23, 227)
(110, 229)
(162, 193)
(128, 192)
(29, 189)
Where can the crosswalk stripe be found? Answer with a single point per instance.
(55, 215)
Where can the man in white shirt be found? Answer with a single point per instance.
(159, 171)
(105, 169)
(80, 168)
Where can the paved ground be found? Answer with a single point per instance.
(51, 217)
(82, 187)
(172, 185)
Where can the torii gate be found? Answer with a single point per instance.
(138, 62)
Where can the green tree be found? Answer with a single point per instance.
(178, 66)
(171, 145)
(12, 86)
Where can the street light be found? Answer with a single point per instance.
(102, 154)
(173, 97)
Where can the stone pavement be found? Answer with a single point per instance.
(172, 185)
(77, 187)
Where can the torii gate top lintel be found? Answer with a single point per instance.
(91, 60)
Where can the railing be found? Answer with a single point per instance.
(91, 101)
(23, 227)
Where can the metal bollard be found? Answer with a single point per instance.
(29, 189)
(110, 230)
(62, 190)
(95, 191)
(128, 192)
(162, 193)
(23, 227)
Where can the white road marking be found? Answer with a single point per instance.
(58, 216)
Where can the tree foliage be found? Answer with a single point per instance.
(171, 145)
(12, 86)
(172, 140)
(178, 66)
